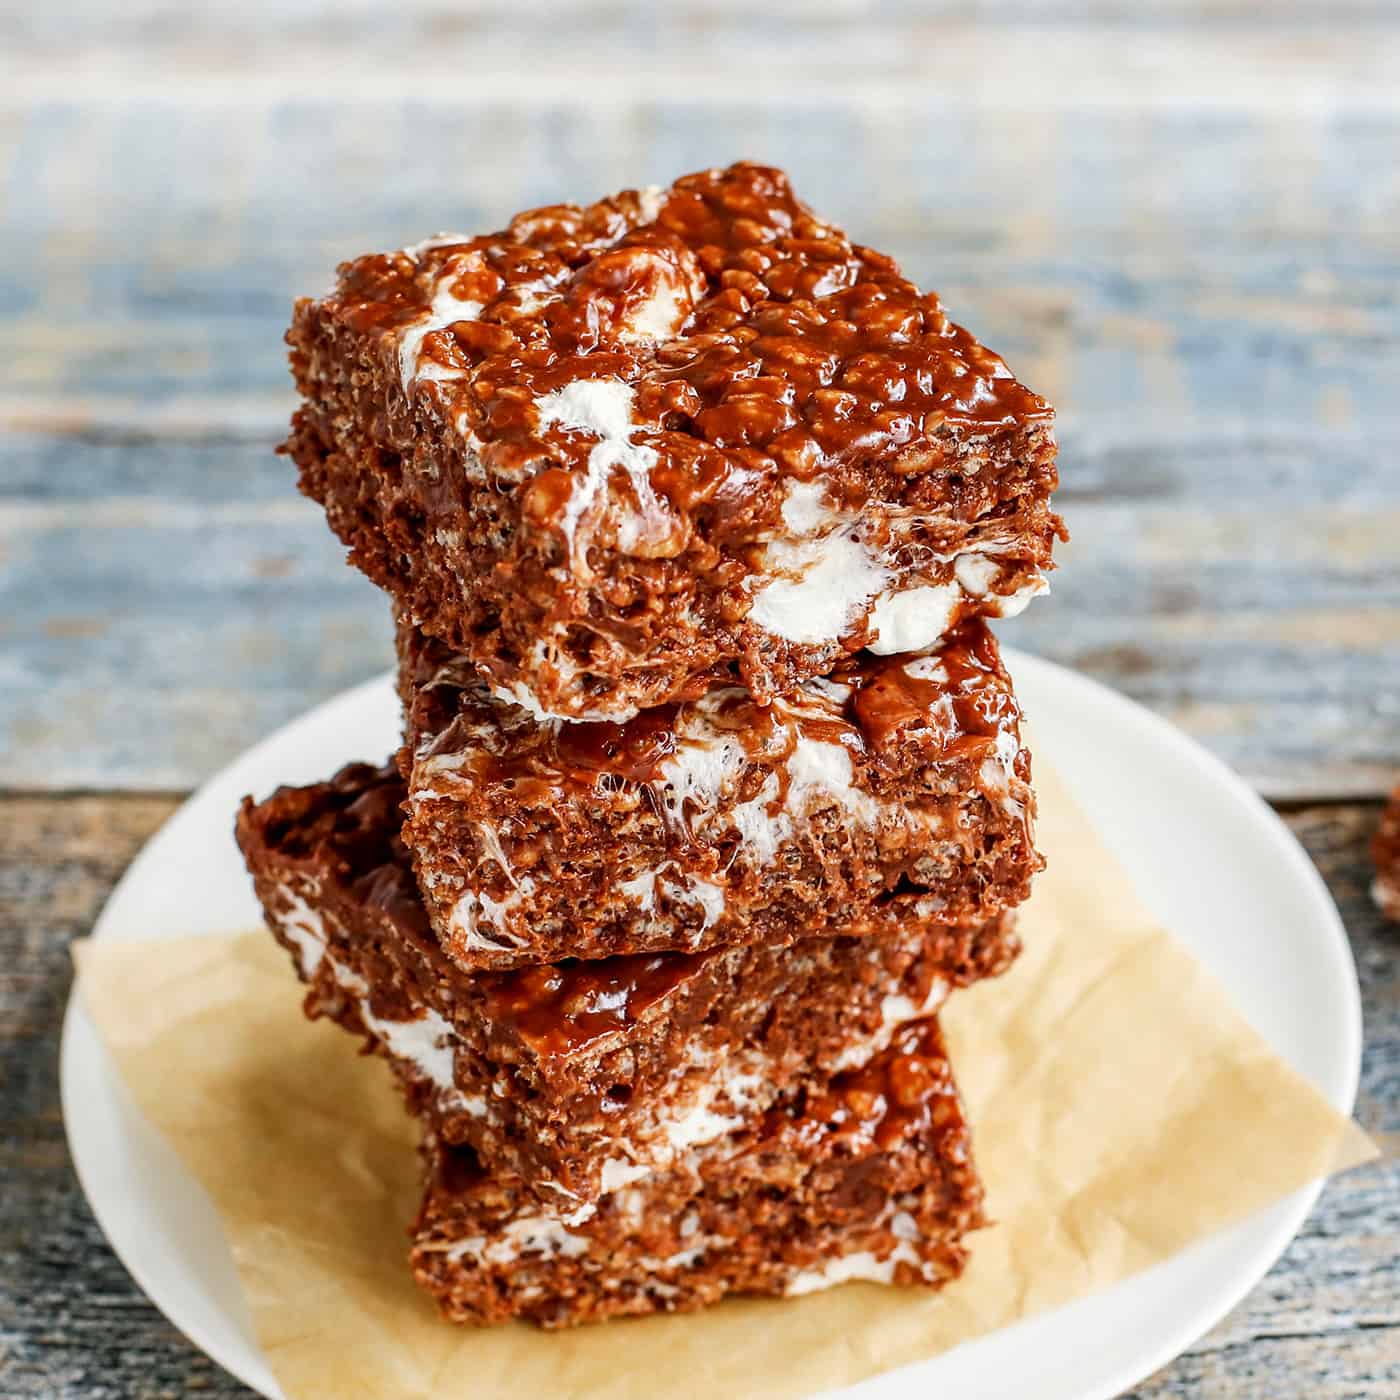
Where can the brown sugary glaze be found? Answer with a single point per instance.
(896, 787)
(787, 339)
(896, 1095)
(1385, 851)
(868, 1175)
(749, 347)
(561, 1008)
(556, 1070)
(964, 712)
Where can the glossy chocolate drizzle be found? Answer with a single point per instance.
(348, 829)
(888, 699)
(760, 344)
(561, 1008)
(899, 1093)
(634, 750)
(968, 708)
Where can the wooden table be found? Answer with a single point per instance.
(1182, 225)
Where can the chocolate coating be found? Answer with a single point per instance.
(796, 349)
(717, 821)
(579, 449)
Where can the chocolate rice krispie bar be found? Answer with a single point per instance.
(618, 454)
(868, 1176)
(896, 788)
(579, 1078)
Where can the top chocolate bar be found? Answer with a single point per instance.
(615, 454)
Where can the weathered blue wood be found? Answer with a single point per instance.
(1045, 53)
(153, 627)
(1208, 289)
(1156, 347)
(1177, 217)
(1146, 284)
(166, 602)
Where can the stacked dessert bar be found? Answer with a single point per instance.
(712, 787)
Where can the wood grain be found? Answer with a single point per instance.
(1041, 53)
(1324, 1324)
(1238, 626)
(1178, 218)
(1209, 296)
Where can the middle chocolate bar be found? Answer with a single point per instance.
(580, 1077)
(896, 789)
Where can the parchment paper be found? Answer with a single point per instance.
(1121, 1110)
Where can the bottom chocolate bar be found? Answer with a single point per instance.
(869, 1177)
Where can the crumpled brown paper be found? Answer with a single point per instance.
(1121, 1109)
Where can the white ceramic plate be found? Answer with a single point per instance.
(1211, 860)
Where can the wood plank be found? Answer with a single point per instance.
(1169, 344)
(1217, 270)
(1325, 1323)
(1274, 637)
(72, 1323)
(1035, 53)
(1211, 299)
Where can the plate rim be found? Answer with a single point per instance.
(252, 1367)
